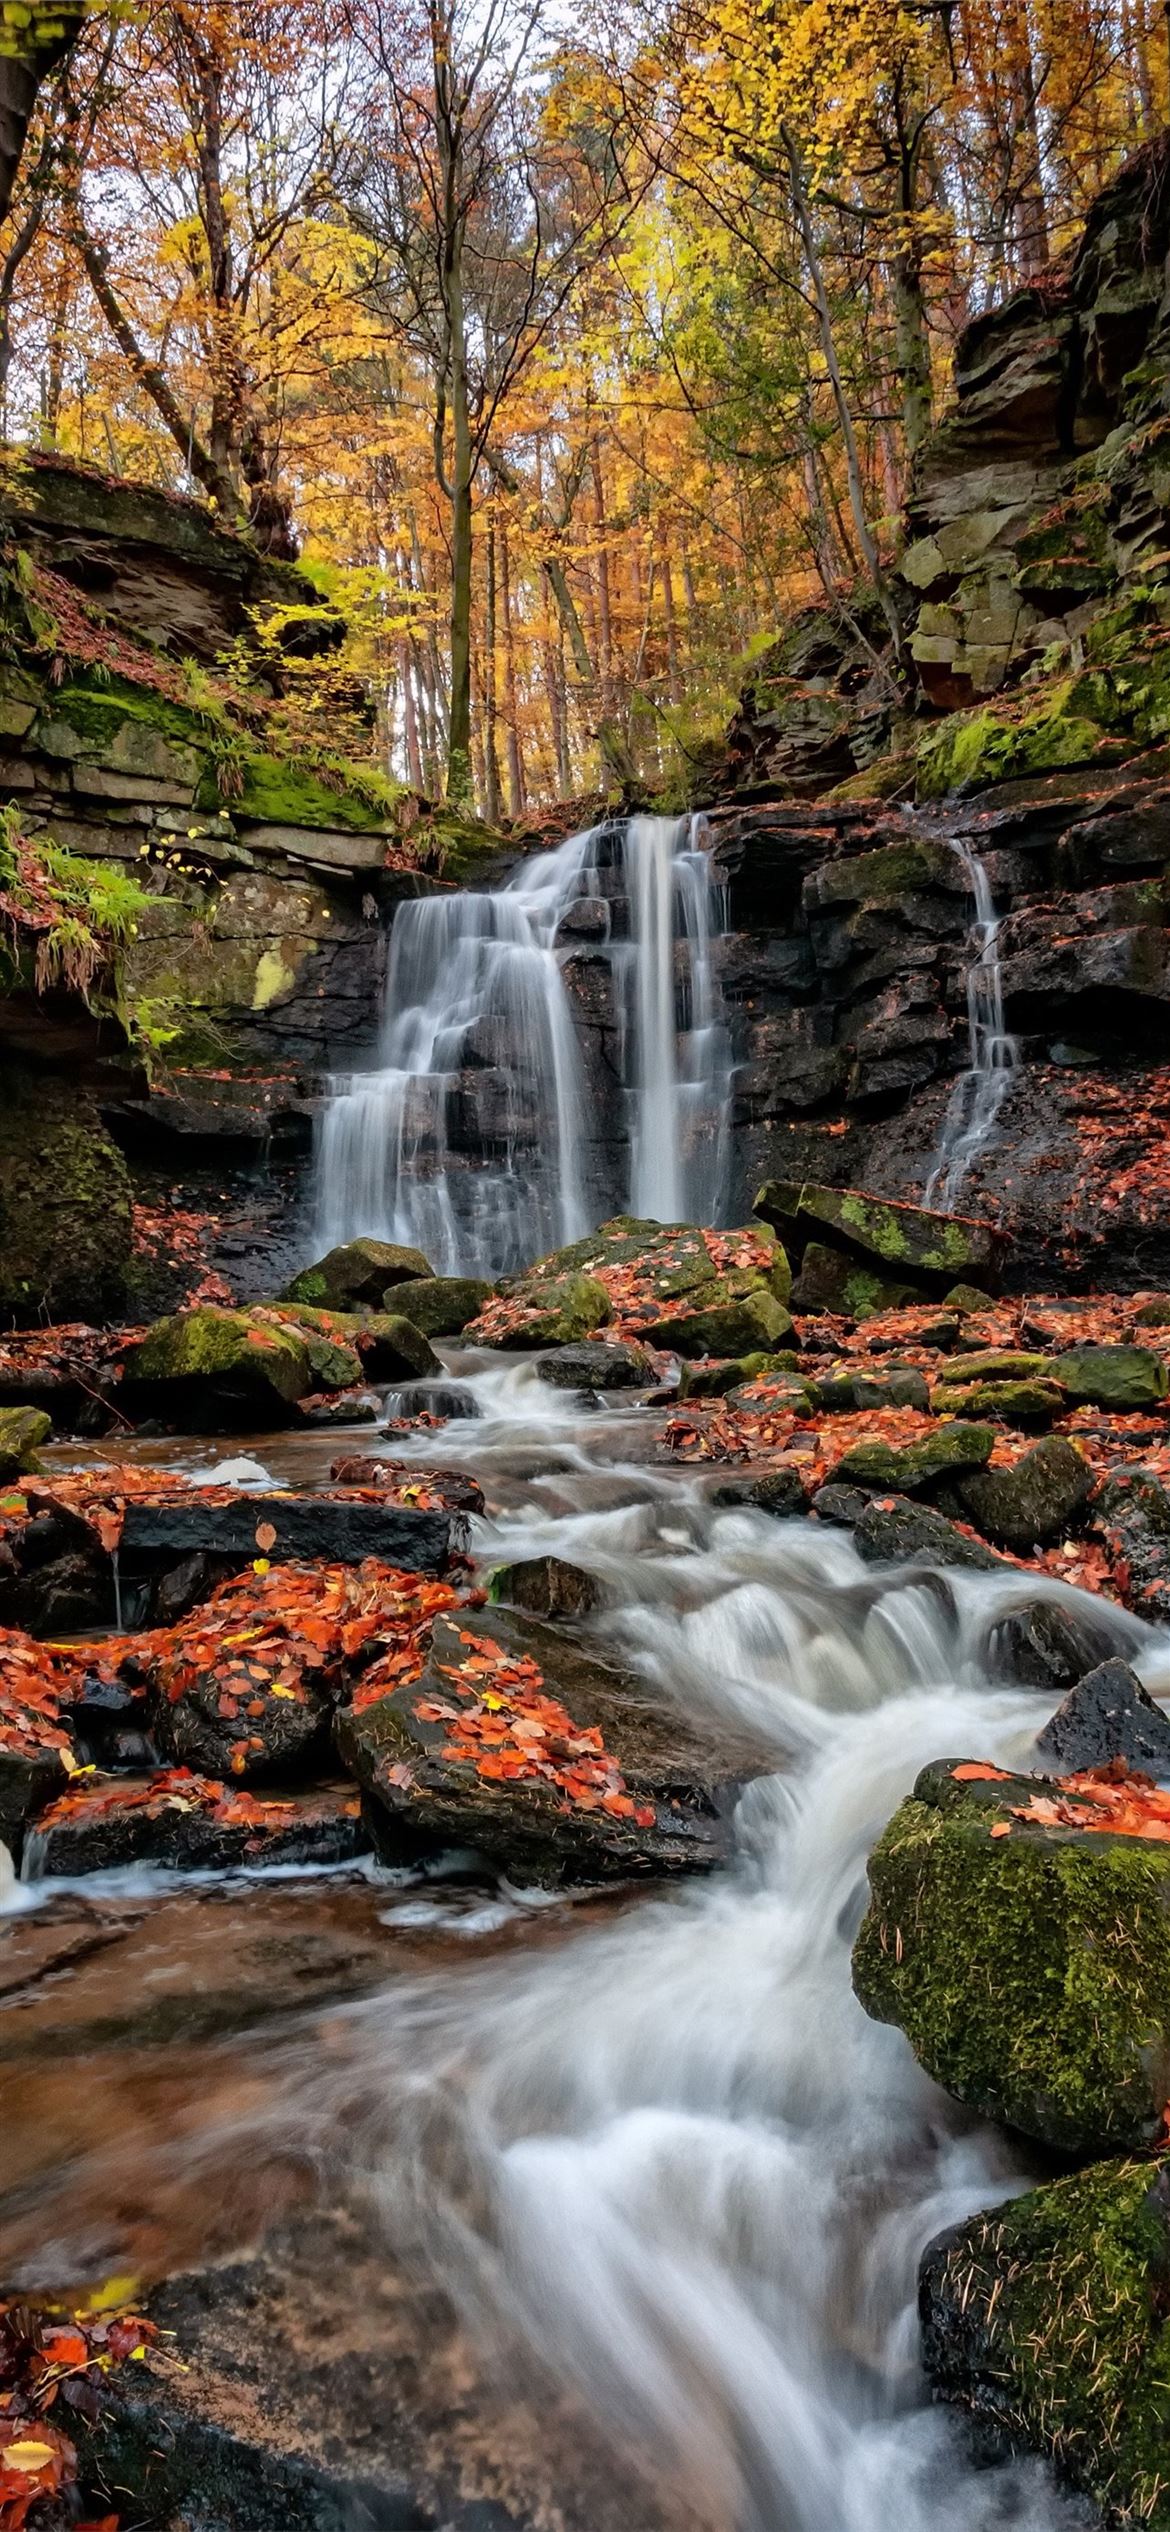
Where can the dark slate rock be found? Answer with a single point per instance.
(336, 1529)
(604, 1364)
(779, 1493)
(895, 1531)
(1050, 1646)
(1132, 1510)
(1107, 1715)
(547, 1587)
(1037, 1500)
(189, 1828)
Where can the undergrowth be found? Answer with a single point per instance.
(77, 913)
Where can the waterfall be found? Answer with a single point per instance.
(474, 1137)
(993, 1056)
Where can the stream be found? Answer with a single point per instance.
(650, 2149)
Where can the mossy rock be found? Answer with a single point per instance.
(277, 791)
(1047, 2322)
(441, 1305)
(1117, 1376)
(1154, 1313)
(727, 1323)
(997, 1363)
(830, 1281)
(914, 1467)
(569, 1307)
(356, 1275)
(852, 1392)
(966, 1298)
(66, 1208)
(22, 1431)
(1013, 1401)
(1036, 1501)
(1030, 1971)
(392, 1348)
(971, 750)
(935, 1247)
(209, 1367)
(713, 1379)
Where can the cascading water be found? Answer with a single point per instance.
(475, 1137)
(979, 1091)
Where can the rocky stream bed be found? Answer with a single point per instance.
(453, 2061)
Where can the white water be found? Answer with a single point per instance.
(993, 1056)
(394, 1159)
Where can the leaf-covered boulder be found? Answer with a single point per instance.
(1048, 2322)
(1132, 1512)
(1019, 1935)
(560, 1311)
(207, 1369)
(722, 1318)
(907, 1240)
(357, 1274)
(603, 1363)
(519, 1742)
(190, 1823)
(912, 1468)
(1036, 1500)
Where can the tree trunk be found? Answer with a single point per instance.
(512, 747)
(491, 792)
(28, 52)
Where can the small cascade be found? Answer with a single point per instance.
(979, 1091)
(480, 1136)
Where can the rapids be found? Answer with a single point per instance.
(654, 2153)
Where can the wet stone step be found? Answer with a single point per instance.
(339, 1530)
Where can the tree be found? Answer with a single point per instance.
(35, 37)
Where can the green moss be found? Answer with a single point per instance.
(954, 1450)
(22, 1430)
(97, 713)
(1118, 1376)
(1030, 1972)
(970, 750)
(283, 792)
(209, 1344)
(1013, 1401)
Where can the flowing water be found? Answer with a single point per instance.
(477, 1137)
(661, 2162)
(993, 1056)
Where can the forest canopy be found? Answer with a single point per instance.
(570, 357)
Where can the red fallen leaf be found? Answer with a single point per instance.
(1001, 1828)
(975, 1771)
(265, 1536)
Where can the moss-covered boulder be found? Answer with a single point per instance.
(561, 1310)
(1048, 2322)
(1028, 1963)
(356, 1275)
(830, 1280)
(383, 1345)
(22, 1431)
(602, 1363)
(714, 1378)
(1123, 1377)
(441, 1305)
(724, 1319)
(66, 1212)
(912, 1468)
(1023, 1402)
(209, 1368)
(1036, 1501)
(853, 1392)
(935, 1249)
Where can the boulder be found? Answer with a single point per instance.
(1132, 1513)
(208, 1369)
(832, 1281)
(190, 1823)
(570, 1773)
(966, 1299)
(1049, 1645)
(357, 1274)
(1023, 1402)
(22, 1431)
(851, 1393)
(912, 1468)
(1107, 1715)
(604, 1363)
(1028, 1963)
(547, 1587)
(892, 1530)
(441, 1305)
(723, 1321)
(562, 1311)
(1045, 2321)
(1123, 1377)
(935, 1249)
(237, 1526)
(1154, 1313)
(1037, 1500)
(780, 1493)
(713, 1378)
(392, 1348)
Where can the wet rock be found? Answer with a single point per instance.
(1029, 1969)
(1107, 1715)
(357, 1274)
(22, 1430)
(1049, 1646)
(713, 1378)
(1037, 1500)
(830, 1280)
(209, 1370)
(618, 1787)
(441, 1305)
(1117, 1376)
(1154, 1313)
(375, 1345)
(350, 1406)
(1022, 1402)
(1132, 1512)
(724, 1321)
(966, 1299)
(547, 1587)
(602, 1364)
(936, 1249)
(451, 1488)
(912, 1468)
(393, 1348)
(191, 1823)
(446, 1400)
(300, 1528)
(1000, 1363)
(892, 1530)
(780, 1493)
(1044, 2320)
(850, 1393)
(566, 1308)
